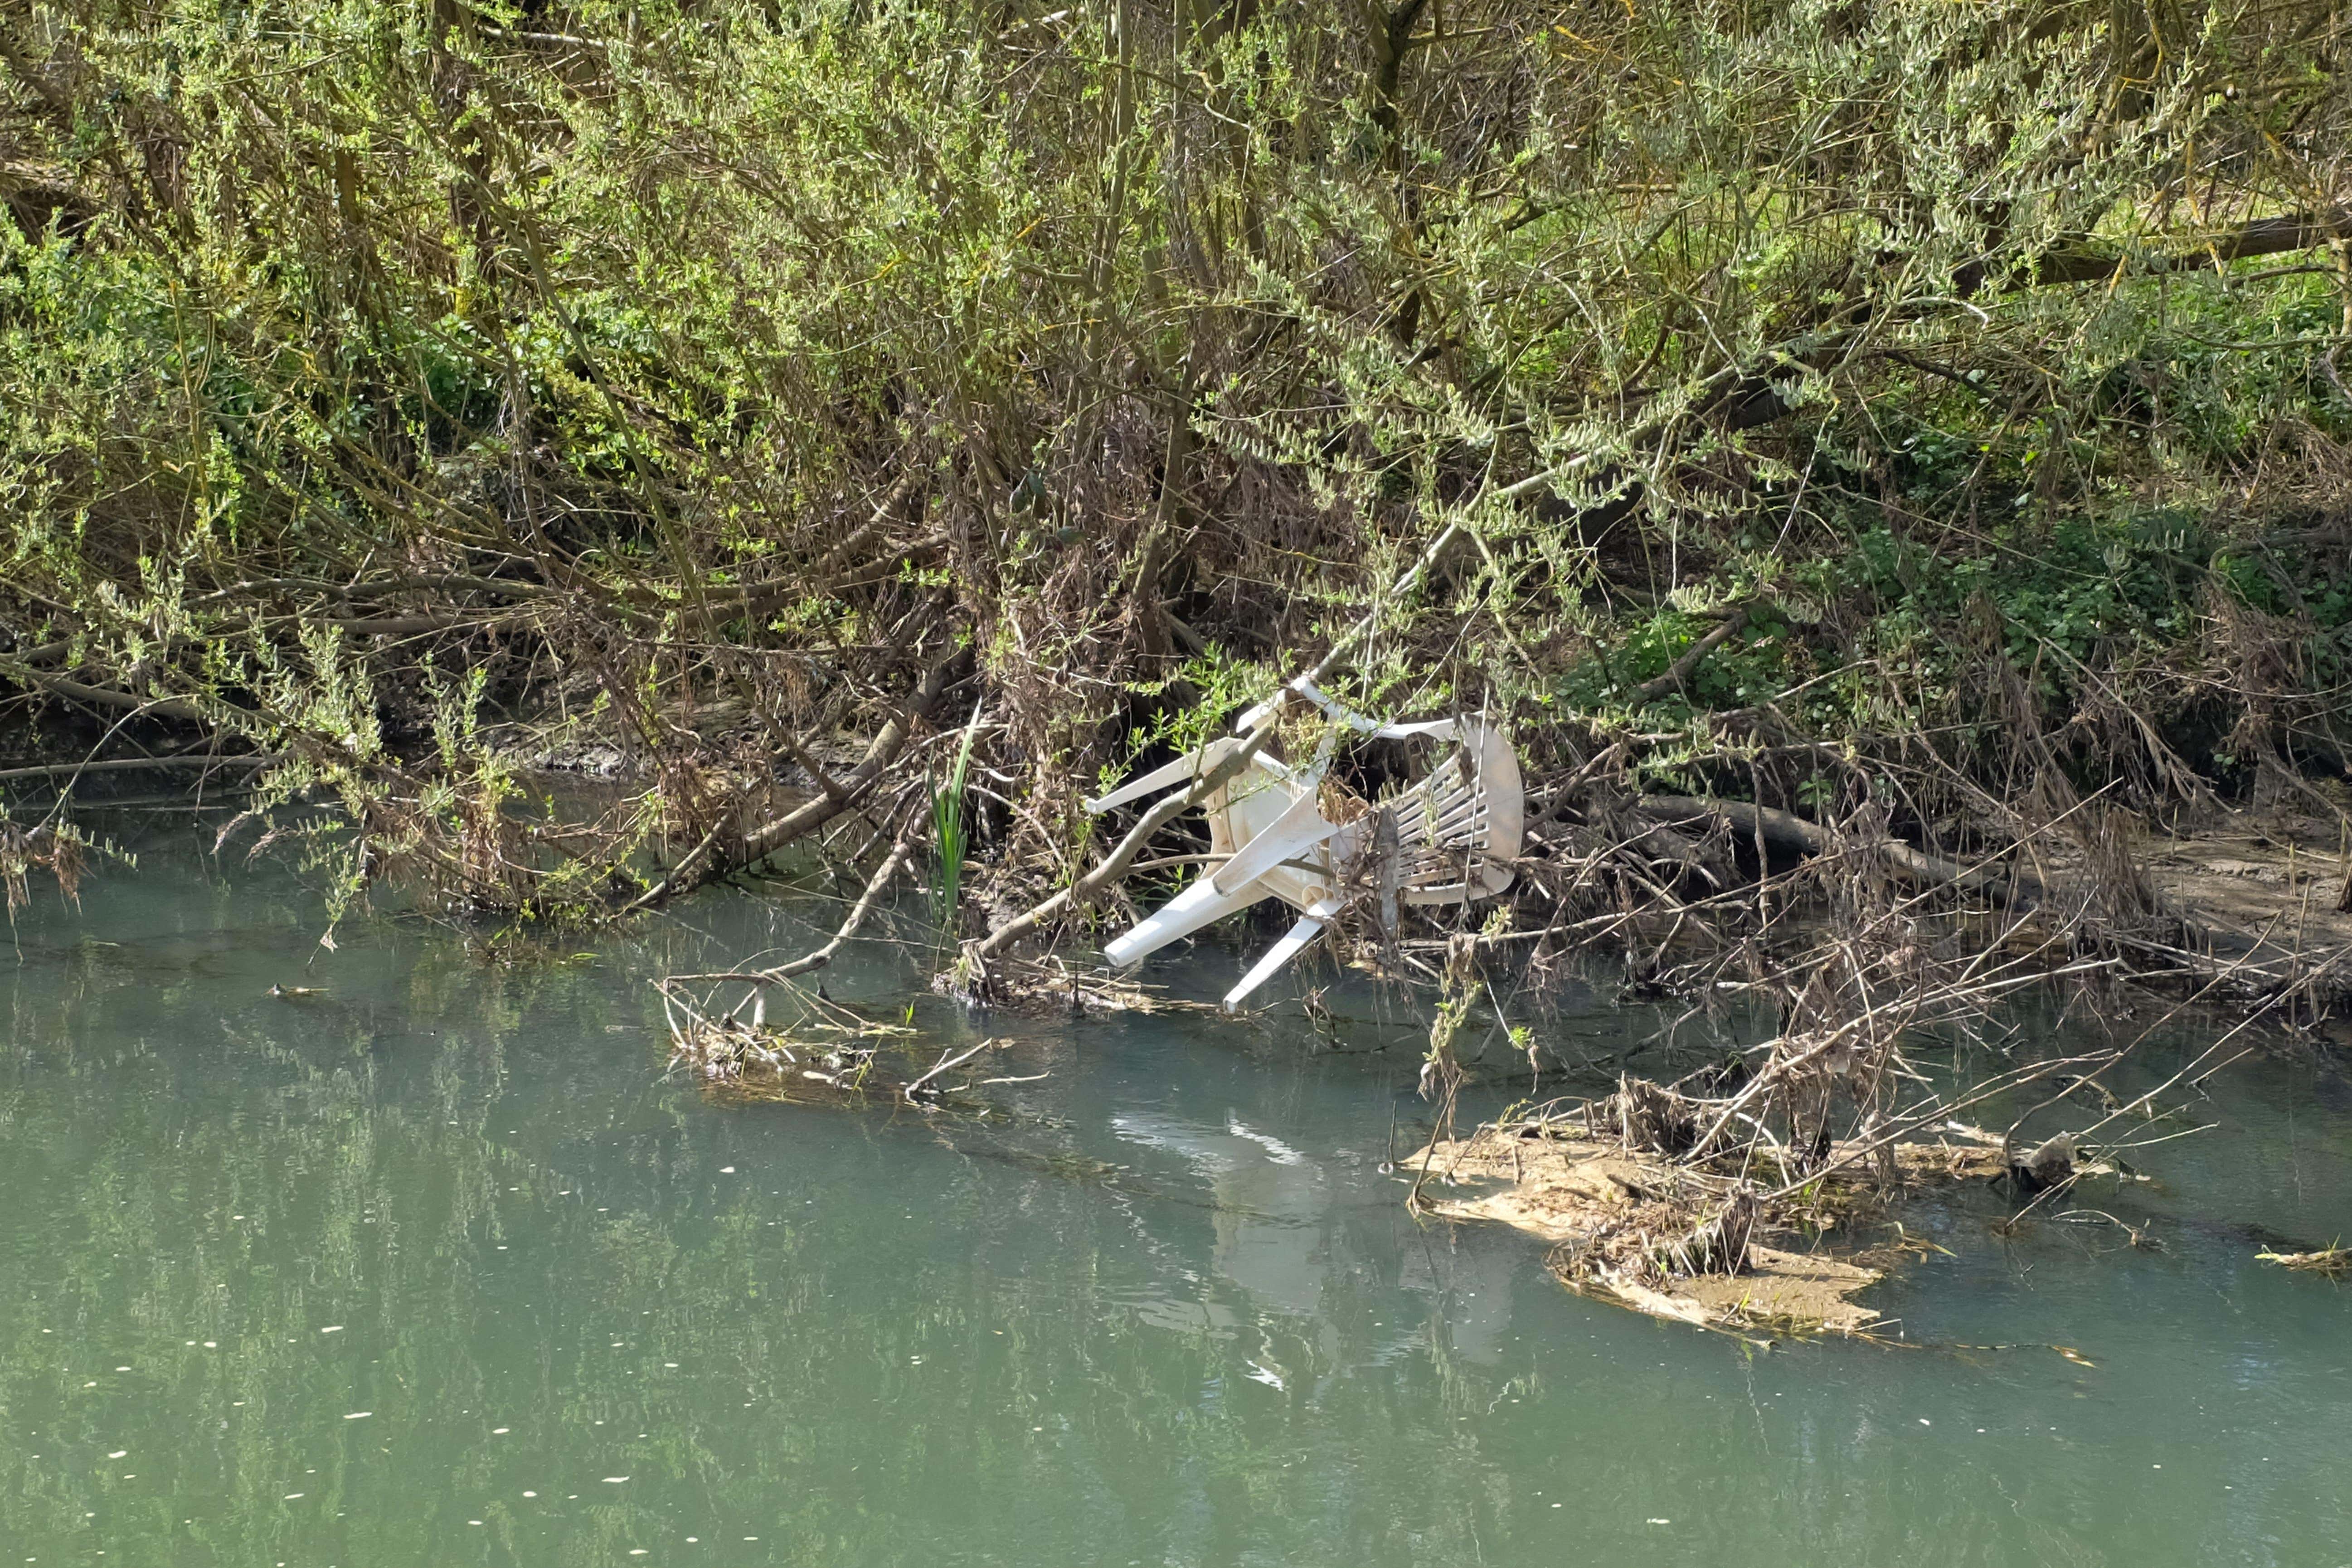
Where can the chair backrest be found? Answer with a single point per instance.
(1459, 829)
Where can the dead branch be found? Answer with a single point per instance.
(942, 1065)
(818, 958)
(146, 764)
(704, 863)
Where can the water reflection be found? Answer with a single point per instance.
(1270, 1201)
(433, 1266)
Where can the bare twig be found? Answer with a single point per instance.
(942, 1065)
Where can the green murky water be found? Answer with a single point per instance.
(438, 1268)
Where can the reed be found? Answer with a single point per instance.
(948, 832)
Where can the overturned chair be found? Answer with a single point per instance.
(1448, 838)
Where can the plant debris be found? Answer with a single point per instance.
(824, 1041)
(1050, 987)
(2332, 1261)
(1678, 1242)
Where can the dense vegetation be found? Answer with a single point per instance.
(400, 397)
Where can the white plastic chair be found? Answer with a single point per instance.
(1457, 832)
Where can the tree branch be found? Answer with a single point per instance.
(1678, 674)
(704, 863)
(822, 956)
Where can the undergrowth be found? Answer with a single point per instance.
(410, 400)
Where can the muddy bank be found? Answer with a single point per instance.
(2269, 895)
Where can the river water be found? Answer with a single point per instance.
(436, 1267)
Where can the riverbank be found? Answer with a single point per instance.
(385, 467)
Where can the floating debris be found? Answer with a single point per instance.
(1682, 1242)
(1049, 987)
(729, 1047)
(2332, 1261)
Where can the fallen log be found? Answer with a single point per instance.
(1786, 831)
